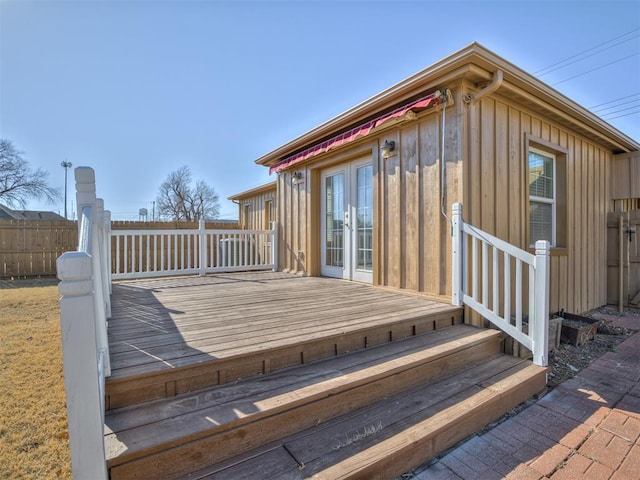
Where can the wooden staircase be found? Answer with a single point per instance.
(376, 412)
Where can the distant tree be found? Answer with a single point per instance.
(180, 200)
(18, 182)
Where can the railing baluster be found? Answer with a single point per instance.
(485, 274)
(496, 281)
(474, 271)
(148, 252)
(507, 287)
(117, 253)
(140, 244)
(519, 295)
(126, 254)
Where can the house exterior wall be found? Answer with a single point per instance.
(257, 207)
(496, 195)
(487, 170)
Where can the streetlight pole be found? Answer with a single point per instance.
(66, 165)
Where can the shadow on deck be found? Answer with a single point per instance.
(174, 335)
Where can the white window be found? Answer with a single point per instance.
(542, 196)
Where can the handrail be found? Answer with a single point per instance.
(84, 309)
(484, 280)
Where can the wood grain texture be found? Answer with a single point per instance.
(196, 331)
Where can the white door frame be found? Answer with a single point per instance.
(345, 263)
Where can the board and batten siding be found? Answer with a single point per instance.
(257, 207)
(487, 170)
(412, 243)
(496, 197)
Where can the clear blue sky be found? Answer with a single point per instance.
(136, 89)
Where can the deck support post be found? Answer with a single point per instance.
(540, 326)
(456, 261)
(83, 378)
(202, 237)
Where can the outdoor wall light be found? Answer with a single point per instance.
(387, 148)
(297, 175)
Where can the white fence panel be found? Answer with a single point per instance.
(156, 253)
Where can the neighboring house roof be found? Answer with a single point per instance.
(8, 214)
(267, 187)
(478, 65)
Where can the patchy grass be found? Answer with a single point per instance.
(34, 440)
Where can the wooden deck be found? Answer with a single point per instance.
(162, 326)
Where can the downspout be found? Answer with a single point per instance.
(495, 84)
(443, 165)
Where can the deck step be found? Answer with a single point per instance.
(169, 438)
(394, 435)
(136, 385)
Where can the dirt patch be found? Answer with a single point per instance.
(33, 425)
(567, 360)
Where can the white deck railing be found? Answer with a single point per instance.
(84, 309)
(85, 304)
(155, 253)
(494, 278)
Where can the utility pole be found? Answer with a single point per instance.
(66, 165)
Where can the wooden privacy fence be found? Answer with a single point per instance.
(623, 259)
(29, 248)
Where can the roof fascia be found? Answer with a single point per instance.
(254, 191)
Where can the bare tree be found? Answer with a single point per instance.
(18, 182)
(178, 200)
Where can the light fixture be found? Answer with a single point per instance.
(387, 148)
(297, 175)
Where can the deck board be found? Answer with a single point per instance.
(165, 323)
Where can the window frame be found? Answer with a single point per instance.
(545, 200)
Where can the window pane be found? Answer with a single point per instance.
(365, 217)
(540, 175)
(334, 207)
(541, 216)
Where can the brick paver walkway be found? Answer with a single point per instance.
(586, 428)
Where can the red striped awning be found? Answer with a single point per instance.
(359, 131)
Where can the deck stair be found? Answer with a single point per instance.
(376, 412)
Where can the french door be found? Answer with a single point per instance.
(347, 222)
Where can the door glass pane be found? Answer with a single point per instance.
(334, 203)
(364, 210)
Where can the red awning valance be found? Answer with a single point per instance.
(359, 131)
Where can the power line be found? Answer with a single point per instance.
(618, 111)
(613, 101)
(539, 72)
(601, 110)
(597, 68)
(585, 57)
(624, 115)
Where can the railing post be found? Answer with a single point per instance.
(202, 236)
(103, 245)
(109, 271)
(274, 246)
(541, 321)
(456, 260)
(80, 362)
(86, 197)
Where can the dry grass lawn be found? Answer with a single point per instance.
(33, 425)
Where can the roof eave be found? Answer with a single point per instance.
(254, 191)
(454, 66)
